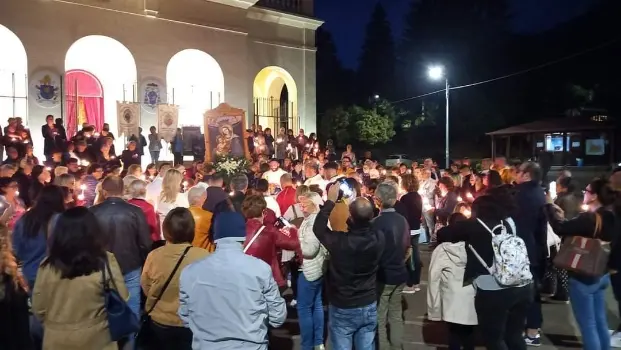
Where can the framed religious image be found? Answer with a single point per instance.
(225, 133)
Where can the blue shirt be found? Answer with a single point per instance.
(29, 251)
(178, 146)
(229, 299)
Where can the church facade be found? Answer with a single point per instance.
(258, 55)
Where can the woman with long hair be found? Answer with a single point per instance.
(150, 172)
(167, 330)
(171, 196)
(68, 297)
(410, 206)
(40, 177)
(31, 231)
(14, 315)
(587, 293)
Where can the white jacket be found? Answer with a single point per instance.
(447, 298)
(313, 252)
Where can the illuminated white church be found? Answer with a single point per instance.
(77, 58)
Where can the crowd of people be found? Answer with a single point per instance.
(199, 260)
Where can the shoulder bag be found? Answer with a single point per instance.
(254, 238)
(144, 336)
(586, 256)
(297, 219)
(122, 322)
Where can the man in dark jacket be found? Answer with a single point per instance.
(239, 186)
(531, 225)
(392, 274)
(128, 237)
(352, 281)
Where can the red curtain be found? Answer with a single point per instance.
(88, 90)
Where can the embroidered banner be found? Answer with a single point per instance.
(128, 114)
(167, 120)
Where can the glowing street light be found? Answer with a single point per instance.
(437, 73)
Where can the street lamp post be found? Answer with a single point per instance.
(437, 73)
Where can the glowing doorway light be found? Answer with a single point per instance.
(269, 83)
(195, 82)
(114, 65)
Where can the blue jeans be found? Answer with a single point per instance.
(310, 311)
(155, 156)
(589, 306)
(355, 327)
(132, 282)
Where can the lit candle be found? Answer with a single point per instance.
(232, 193)
(585, 207)
(113, 157)
(299, 183)
(81, 197)
(279, 140)
(17, 193)
(469, 195)
(48, 168)
(552, 190)
(25, 141)
(426, 205)
(467, 213)
(96, 134)
(82, 187)
(459, 199)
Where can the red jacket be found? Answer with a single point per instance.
(270, 242)
(152, 219)
(285, 199)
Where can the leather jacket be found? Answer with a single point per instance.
(127, 233)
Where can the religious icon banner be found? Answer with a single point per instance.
(167, 120)
(225, 133)
(128, 116)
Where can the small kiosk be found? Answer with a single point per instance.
(571, 141)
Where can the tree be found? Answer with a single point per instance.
(372, 127)
(336, 126)
(376, 71)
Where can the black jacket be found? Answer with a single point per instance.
(128, 235)
(14, 324)
(531, 221)
(354, 260)
(411, 207)
(396, 235)
(474, 234)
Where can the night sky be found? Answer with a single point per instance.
(346, 19)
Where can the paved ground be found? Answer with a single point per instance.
(559, 329)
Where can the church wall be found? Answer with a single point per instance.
(48, 28)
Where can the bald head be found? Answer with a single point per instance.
(361, 210)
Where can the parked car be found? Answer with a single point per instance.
(396, 159)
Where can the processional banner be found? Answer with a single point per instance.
(167, 120)
(128, 114)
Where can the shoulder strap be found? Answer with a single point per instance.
(476, 254)
(491, 230)
(185, 252)
(295, 212)
(598, 224)
(254, 238)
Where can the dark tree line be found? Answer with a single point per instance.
(473, 40)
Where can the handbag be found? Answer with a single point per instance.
(254, 238)
(144, 334)
(585, 256)
(122, 321)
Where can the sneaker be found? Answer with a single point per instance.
(293, 303)
(319, 347)
(416, 289)
(409, 290)
(536, 341)
(555, 300)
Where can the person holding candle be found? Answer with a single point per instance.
(9, 195)
(131, 155)
(51, 136)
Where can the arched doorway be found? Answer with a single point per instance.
(275, 99)
(195, 82)
(84, 97)
(14, 80)
(113, 65)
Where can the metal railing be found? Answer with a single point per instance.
(292, 6)
(274, 114)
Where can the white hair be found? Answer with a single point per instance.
(195, 194)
